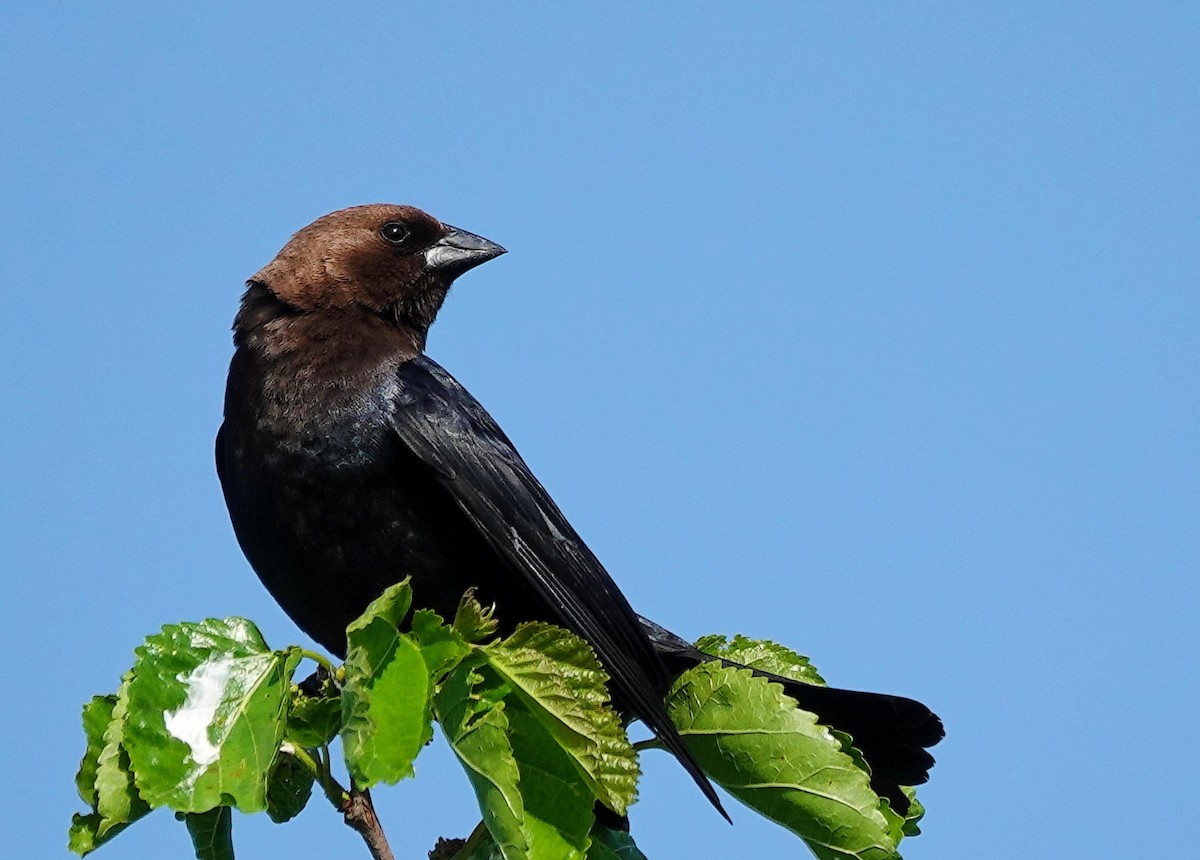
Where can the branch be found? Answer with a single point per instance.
(360, 815)
(355, 804)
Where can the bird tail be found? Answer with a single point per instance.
(891, 732)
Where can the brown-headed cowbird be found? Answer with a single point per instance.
(350, 460)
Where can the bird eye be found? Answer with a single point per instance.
(394, 232)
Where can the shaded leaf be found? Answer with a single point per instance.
(211, 832)
(775, 758)
(289, 788)
(535, 802)
(609, 844)
(558, 802)
(762, 654)
(314, 721)
(484, 849)
(559, 680)
(476, 726)
(207, 705)
(472, 621)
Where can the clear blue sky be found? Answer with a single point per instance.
(869, 328)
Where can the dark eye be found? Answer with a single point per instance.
(394, 232)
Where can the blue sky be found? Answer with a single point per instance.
(871, 329)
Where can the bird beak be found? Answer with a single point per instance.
(458, 251)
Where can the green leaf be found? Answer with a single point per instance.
(609, 844)
(83, 836)
(113, 796)
(476, 725)
(117, 797)
(386, 694)
(558, 802)
(472, 621)
(762, 654)
(484, 848)
(290, 787)
(775, 758)
(207, 707)
(442, 647)
(314, 721)
(211, 832)
(97, 714)
(559, 680)
(535, 802)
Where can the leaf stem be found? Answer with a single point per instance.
(318, 766)
(355, 805)
(321, 660)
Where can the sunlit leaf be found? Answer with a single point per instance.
(386, 694)
(775, 758)
(207, 705)
(762, 654)
(97, 714)
(559, 680)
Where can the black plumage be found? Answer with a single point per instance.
(350, 460)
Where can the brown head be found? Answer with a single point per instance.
(394, 261)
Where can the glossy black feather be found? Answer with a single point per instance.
(439, 421)
(349, 461)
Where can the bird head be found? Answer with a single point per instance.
(395, 261)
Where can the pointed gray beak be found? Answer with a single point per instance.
(458, 251)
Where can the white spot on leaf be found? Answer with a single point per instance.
(189, 723)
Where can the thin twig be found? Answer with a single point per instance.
(355, 804)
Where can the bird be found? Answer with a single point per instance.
(350, 460)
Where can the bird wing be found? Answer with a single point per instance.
(446, 428)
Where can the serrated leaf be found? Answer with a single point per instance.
(118, 799)
(899, 825)
(535, 802)
(386, 693)
(609, 844)
(472, 621)
(112, 794)
(442, 647)
(916, 811)
(754, 742)
(559, 680)
(211, 832)
(97, 714)
(105, 781)
(207, 707)
(558, 801)
(314, 721)
(477, 728)
(762, 654)
(289, 788)
(83, 836)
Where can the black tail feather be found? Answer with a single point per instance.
(891, 732)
